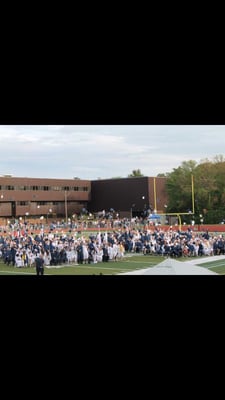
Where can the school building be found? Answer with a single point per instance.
(129, 197)
(28, 198)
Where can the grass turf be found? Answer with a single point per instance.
(129, 263)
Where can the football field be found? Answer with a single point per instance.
(131, 262)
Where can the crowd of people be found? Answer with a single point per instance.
(23, 248)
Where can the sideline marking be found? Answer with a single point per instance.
(18, 273)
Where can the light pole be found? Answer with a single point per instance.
(38, 207)
(66, 212)
(144, 208)
(154, 192)
(41, 220)
(26, 215)
(131, 211)
(2, 197)
(201, 220)
(49, 212)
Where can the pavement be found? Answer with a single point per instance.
(172, 266)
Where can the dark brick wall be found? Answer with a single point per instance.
(121, 194)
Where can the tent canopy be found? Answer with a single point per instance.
(154, 216)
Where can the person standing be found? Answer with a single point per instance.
(39, 263)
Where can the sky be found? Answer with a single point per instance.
(104, 151)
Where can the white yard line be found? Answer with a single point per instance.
(206, 259)
(215, 266)
(18, 273)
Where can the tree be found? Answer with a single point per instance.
(163, 175)
(135, 173)
(209, 189)
(210, 176)
(179, 187)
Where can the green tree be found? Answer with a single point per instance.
(211, 189)
(163, 175)
(179, 187)
(208, 193)
(135, 173)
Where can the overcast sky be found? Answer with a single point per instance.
(104, 151)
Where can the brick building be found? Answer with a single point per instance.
(61, 198)
(129, 196)
(36, 197)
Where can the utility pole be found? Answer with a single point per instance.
(66, 213)
(131, 211)
(192, 191)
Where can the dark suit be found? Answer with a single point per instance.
(39, 262)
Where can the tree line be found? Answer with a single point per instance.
(208, 194)
(201, 185)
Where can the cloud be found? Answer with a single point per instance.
(54, 127)
(104, 150)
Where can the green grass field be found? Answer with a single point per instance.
(130, 262)
(215, 266)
